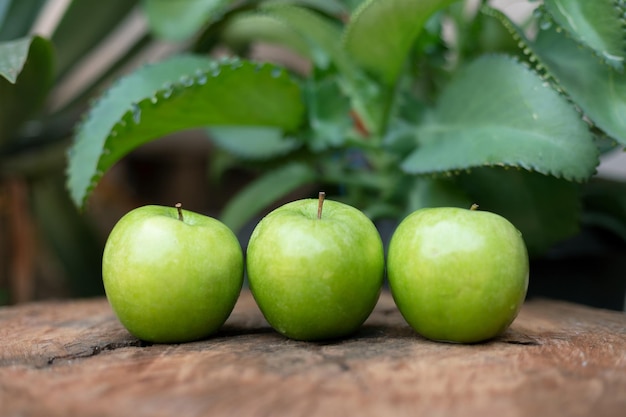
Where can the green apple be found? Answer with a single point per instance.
(457, 275)
(315, 275)
(171, 275)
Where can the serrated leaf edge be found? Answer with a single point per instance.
(170, 90)
(454, 171)
(616, 63)
(447, 173)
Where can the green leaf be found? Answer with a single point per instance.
(13, 55)
(26, 71)
(177, 20)
(84, 25)
(4, 8)
(596, 24)
(181, 93)
(380, 33)
(17, 17)
(598, 89)
(317, 38)
(436, 192)
(329, 113)
(321, 35)
(498, 112)
(253, 142)
(545, 209)
(247, 27)
(264, 191)
(93, 132)
(331, 7)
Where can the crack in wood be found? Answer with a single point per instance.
(96, 350)
(513, 337)
(523, 342)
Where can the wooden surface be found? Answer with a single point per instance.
(74, 359)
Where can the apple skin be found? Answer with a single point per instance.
(457, 275)
(315, 279)
(168, 280)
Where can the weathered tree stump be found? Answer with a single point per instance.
(73, 358)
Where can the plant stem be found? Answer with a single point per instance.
(474, 207)
(179, 207)
(320, 204)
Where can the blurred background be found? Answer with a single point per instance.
(50, 249)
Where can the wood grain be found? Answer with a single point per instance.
(73, 358)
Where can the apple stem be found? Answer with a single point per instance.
(474, 207)
(179, 207)
(320, 204)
